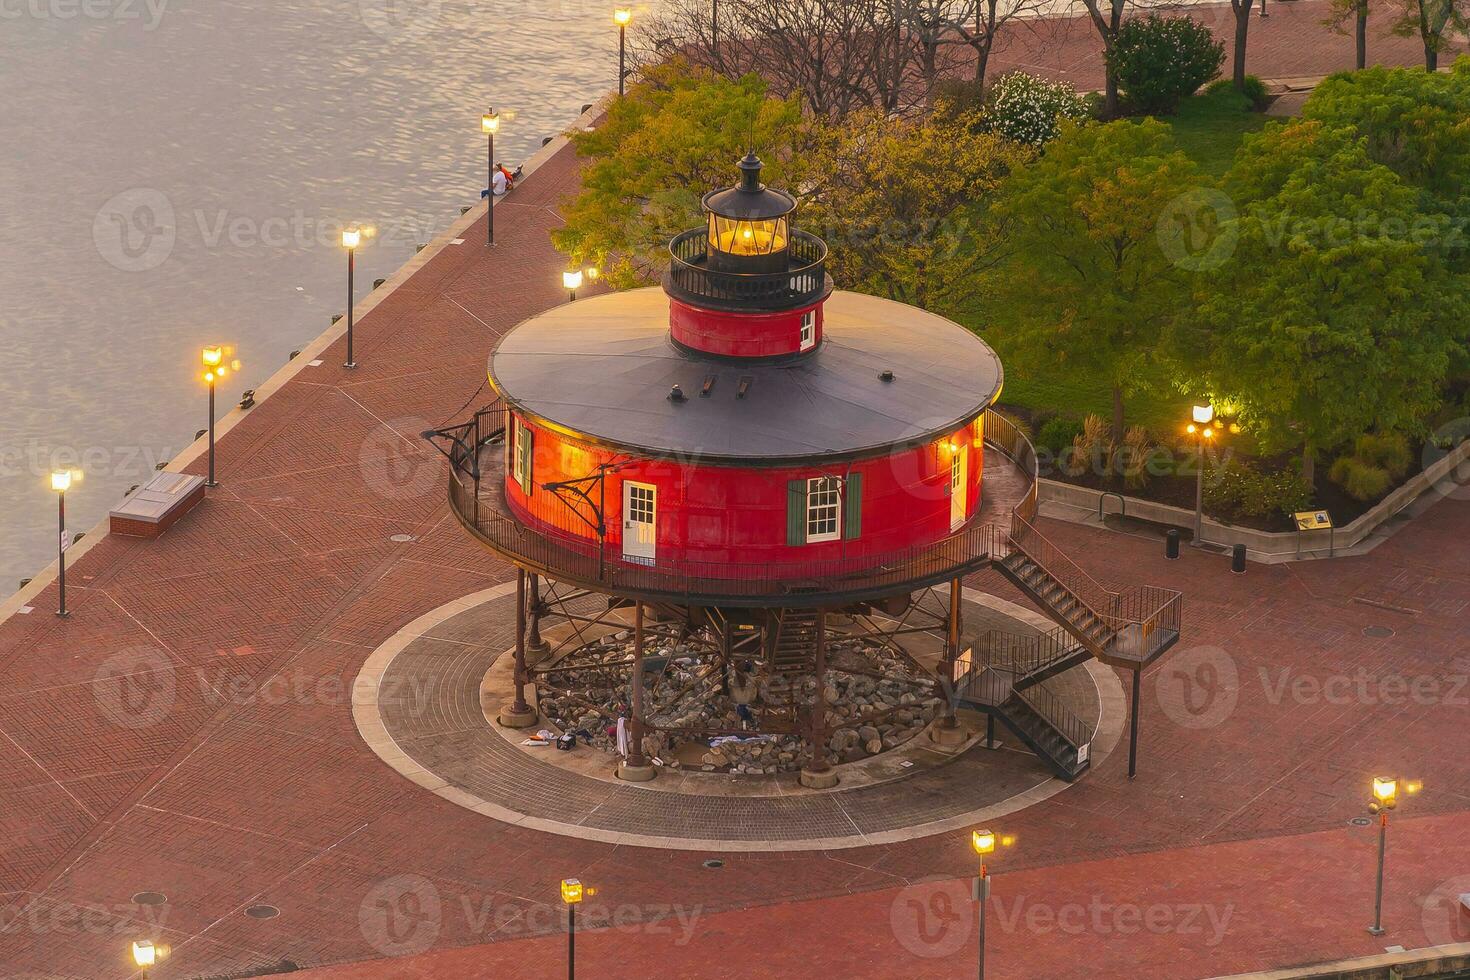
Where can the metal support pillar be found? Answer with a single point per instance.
(534, 643)
(952, 650)
(636, 767)
(519, 713)
(520, 704)
(1133, 726)
(818, 773)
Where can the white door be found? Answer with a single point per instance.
(959, 496)
(638, 521)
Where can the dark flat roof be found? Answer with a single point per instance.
(601, 369)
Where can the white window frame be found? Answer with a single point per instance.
(824, 503)
(808, 330)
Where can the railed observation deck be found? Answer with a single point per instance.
(476, 492)
(1128, 627)
(691, 279)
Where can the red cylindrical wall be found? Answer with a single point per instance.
(736, 517)
(744, 334)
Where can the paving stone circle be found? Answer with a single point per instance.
(418, 704)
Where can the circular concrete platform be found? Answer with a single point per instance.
(421, 705)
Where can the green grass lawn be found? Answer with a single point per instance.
(1210, 126)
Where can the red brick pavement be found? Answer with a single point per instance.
(1290, 43)
(188, 730)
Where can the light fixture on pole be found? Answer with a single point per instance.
(572, 892)
(212, 358)
(146, 954)
(1385, 798)
(983, 844)
(622, 16)
(572, 280)
(351, 238)
(1203, 430)
(490, 125)
(61, 483)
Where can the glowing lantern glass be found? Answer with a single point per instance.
(749, 219)
(1385, 789)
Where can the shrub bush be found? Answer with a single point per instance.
(1133, 459)
(1388, 451)
(956, 98)
(1361, 479)
(1160, 60)
(1092, 448)
(1058, 434)
(1029, 110)
(1239, 488)
(1255, 90)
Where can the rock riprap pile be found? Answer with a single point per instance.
(876, 698)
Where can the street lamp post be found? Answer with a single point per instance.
(1385, 798)
(983, 843)
(490, 125)
(571, 894)
(351, 238)
(622, 16)
(61, 482)
(1203, 431)
(214, 368)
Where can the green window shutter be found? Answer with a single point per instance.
(525, 449)
(530, 459)
(852, 507)
(796, 512)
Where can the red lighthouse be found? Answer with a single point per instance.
(756, 463)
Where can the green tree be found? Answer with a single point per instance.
(1330, 319)
(1339, 12)
(1089, 257)
(1434, 23)
(677, 134)
(1415, 123)
(900, 204)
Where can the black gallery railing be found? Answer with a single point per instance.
(804, 280)
(476, 451)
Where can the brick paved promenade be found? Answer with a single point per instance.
(188, 731)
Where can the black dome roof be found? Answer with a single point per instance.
(750, 200)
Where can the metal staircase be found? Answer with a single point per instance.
(1005, 681)
(1129, 628)
(794, 647)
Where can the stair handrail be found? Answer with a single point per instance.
(1050, 707)
(1148, 607)
(1021, 653)
(1097, 598)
